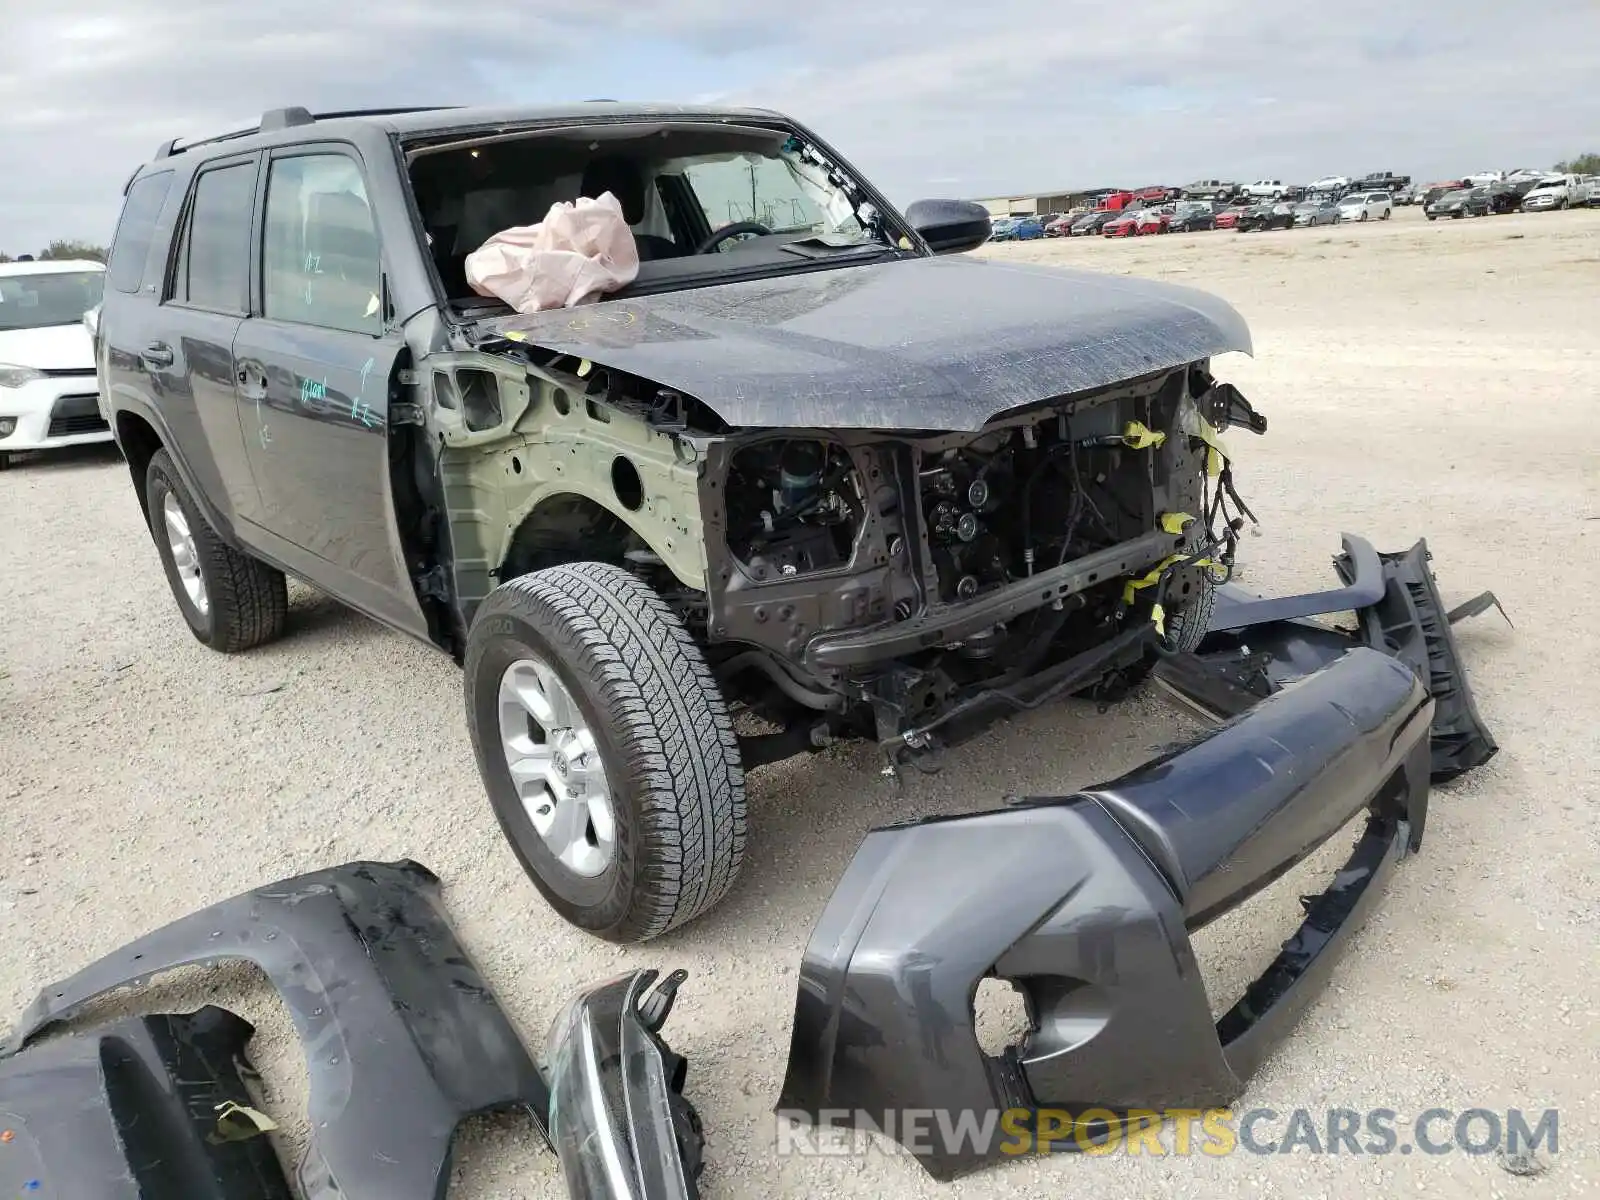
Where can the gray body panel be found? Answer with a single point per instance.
(921, 343)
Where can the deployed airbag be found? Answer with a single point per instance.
(579, 251)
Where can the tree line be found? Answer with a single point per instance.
(57, 250)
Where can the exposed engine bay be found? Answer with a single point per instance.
(860, 571)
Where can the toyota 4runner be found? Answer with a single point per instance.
(806, 478)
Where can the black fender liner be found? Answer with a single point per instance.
(402, 1037)
(1085, 903)
(132, 1111)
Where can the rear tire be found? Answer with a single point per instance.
(232, 602)
(644, 703)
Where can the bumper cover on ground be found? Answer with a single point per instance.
(1085, 903)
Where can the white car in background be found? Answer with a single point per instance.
(1484, 178)
(1328, 184)
(1266, 189)
(48, 393)
(1366, 206)
(1557, 191)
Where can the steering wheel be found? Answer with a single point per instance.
(733, 230)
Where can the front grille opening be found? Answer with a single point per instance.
(73, 416)
(1234, 950)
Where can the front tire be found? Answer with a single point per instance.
(232, 602)
(606, 749)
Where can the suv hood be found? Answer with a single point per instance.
(927, 343)
(53, 348)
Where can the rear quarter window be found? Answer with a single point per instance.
(130, 245)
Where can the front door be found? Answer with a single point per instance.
(315, 365)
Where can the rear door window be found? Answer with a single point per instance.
(130, 245)
(321, 263)
(214, 262)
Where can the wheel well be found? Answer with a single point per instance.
(139, 442)
(565, 529)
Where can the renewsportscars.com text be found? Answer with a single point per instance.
(1179, 1131)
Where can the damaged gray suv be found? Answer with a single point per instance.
(806, 478)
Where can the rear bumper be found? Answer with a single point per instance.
(1085, 903)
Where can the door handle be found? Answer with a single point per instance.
(156, 354)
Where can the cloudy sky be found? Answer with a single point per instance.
(949, 98)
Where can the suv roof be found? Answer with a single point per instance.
(291, 124)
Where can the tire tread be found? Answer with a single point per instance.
(249, 599)
(667, 714)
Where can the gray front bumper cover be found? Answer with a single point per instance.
(1086, 902)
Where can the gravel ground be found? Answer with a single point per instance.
(1421, 379)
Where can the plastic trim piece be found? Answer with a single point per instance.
(1240, 663)
(1364, 585)
(402, 1037)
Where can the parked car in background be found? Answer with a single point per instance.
(1380, 181)
(1266, 189)
(1328, 185)
(1433, 191)
(1483, 178)
(1093, 222)
(1506, 197)
(1463, 202)
(1228, 218)
(1060, 226)
(1316, 212)
(1269, 214)
(1366, 206)
(1594, 190)
(1156, 193)
(1153, 220)
(1556, 191)
(1123, 224)
(1211, 189)
(1027, 229)
(49, 397)
(1190, 216)
(1406, 195)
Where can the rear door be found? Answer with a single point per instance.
(315, 362)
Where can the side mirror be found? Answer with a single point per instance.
(950, 226)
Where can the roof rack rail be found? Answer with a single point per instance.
(288, 118)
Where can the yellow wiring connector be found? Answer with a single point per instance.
(1140, 436)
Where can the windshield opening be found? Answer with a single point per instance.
(45, 299)
(774, 198)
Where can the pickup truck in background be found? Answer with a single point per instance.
(1558, 191)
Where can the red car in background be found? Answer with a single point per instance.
(1137, 224)
(1127, 225)
(1153, 220)
(1158, 193)
(1228, 218)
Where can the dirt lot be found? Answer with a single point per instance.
(1420, 379)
